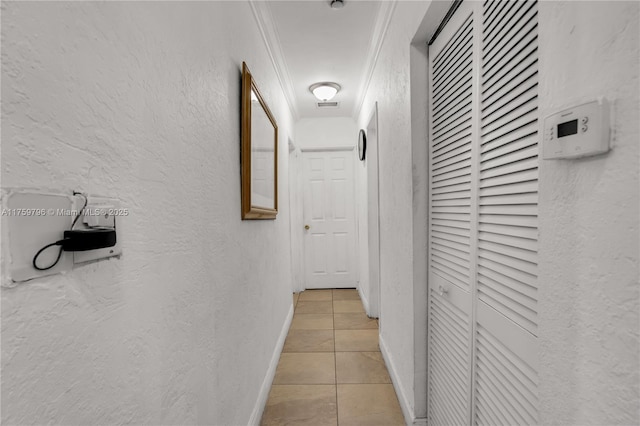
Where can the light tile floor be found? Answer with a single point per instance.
(331, 371)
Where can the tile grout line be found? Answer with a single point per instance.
(335, 360)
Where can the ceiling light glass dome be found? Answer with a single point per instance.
(324, 91)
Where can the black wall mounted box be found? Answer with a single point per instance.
(88, 239)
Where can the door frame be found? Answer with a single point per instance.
(355, 218)
(373, 214)
(295, 220)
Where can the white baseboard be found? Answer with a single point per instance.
(258, 409)
(407, 411)
(365, 301)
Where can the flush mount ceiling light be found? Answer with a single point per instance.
(337, 4)
(324, 91)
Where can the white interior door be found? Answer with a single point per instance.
(329, 219)
(483, 216)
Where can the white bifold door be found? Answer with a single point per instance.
(483, 349)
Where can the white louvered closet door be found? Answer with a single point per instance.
(506, 350)
(452, 133)
(483, 215)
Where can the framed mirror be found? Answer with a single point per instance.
(259, 153)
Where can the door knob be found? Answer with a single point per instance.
(442, 291)
(307, 227)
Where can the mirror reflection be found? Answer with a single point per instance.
(262, 157)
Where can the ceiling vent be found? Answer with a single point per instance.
(327, 104)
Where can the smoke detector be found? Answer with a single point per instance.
(337, 4)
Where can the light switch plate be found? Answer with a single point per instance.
(100, 212)
(30, 221)
(99, 215)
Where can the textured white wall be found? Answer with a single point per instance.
(141, 101)
(326, 132)
(589, 300)
(390, 87)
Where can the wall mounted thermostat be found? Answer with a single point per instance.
(577, 132)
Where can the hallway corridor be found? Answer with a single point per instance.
(331, 371)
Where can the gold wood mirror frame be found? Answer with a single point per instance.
(259, 153)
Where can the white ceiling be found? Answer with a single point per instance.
(317, 43)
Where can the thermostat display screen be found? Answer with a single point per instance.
(568, 128)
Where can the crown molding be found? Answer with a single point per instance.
(379, 33)
(264, 19)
